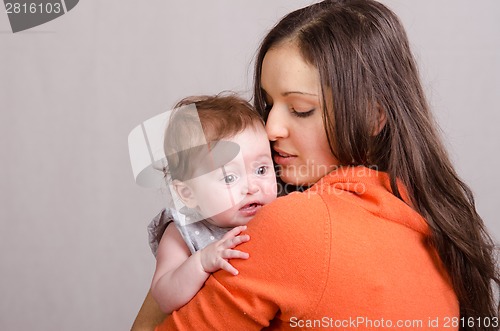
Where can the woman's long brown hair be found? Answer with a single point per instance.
(366, 67)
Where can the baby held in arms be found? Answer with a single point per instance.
(220, 168)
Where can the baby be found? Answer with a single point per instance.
(220, 164)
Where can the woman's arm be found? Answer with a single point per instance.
(179, 276)
(149, 316)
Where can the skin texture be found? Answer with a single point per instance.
(248, 178)
(149, 315)
(295, 125)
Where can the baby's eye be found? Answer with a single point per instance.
(230, 179)
(261, 170)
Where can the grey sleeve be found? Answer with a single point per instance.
(157, 227)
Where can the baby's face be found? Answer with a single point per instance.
(232, 195)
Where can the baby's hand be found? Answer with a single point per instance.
(216, 255)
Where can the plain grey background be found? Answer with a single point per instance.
(73, 243)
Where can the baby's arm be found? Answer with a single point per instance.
(179, 275)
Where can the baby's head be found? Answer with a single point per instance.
(219, 158)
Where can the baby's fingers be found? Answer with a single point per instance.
(233, 242)
(234, 232)
(228, 267)
(234, 254)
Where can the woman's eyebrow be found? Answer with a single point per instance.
(284, 94)
(298, 92)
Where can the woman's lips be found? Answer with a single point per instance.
(283, 158)
(250, 209)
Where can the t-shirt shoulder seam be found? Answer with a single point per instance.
(327, 244)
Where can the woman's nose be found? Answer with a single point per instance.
(276, 126)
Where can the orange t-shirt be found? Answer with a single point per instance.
(345, 254)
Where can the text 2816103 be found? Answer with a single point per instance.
(33, 8)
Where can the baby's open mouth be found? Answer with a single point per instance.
(251, 206)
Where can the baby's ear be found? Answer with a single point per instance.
(185, 193)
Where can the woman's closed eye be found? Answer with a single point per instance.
(302, 114)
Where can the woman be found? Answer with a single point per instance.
(387, 235)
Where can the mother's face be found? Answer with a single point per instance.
(294, 125)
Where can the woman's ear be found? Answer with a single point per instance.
(380, 120)
(185, 193)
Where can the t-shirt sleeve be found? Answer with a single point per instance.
(157, 227)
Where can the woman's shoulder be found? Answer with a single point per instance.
(296, 203)
(292, 213)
